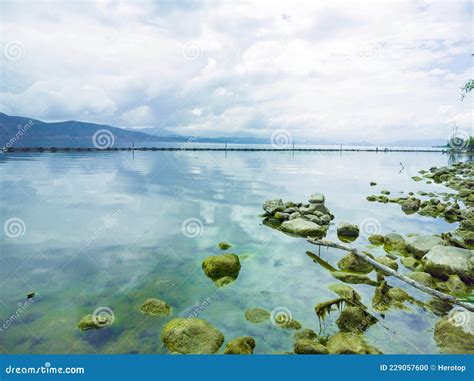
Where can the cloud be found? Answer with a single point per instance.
(331, 70)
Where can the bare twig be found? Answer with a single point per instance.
(441, 295)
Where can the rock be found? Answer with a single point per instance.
(389, 262)
(349, 343)
(286, 322)
(313, 218)
(155, 307)
(354, 319)
(386, 297)
(347, 230)
(411, 263)
(455, 333)
(304, 228)
(294, 215)
(411, 205)
(353, 263)
(273, 206)
(224, 245)
(455, 285)
(420, 245)
(353, 278)
(317, 198)
(386, 192)
(423, 278)
(221, 266)
(416, 178)
(309, 347)
(376, 239)
(307, 334)
(240, 346)
(394, 242)
(191, 336)
(443, 261)
(344, 291)
(372, 183)
(282, 216)
(257, 315)
(95, 322)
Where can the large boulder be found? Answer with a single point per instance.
(443, 261)
(304, 228)
(349, 343)
(191, 336)
(455, 333)
(420, 245)
(240, 346)
(222, 269)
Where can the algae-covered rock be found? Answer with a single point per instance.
(224, 245)
(88, 322)
(443, 261)
(376, 239)
(304, 228)
(423, 278)
(394, 242)
(411, 205)
(373, 183)
(155, 307)
(257, 315)
(455, 285)
(307, 334)
(353, 278)
(354, 319)
(455, 333)
(240, 346)
(386, 297)
(344, 291)
(353, 263)
(349, 343)
(420, 245)
(411, 263)
(273, 206)
(309, 347)
(222, 269)
(189, 336)
(386, 261)
(347, 232)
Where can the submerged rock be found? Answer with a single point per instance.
(191, 336)
(304, 228)
(423, 278)
(394, 242)
(155, 307)
(420, 245)
(94, 322)
(257, 315)
(354, 319)
(387, 261)
(455, 333)
(309, 347)
(376, 239)
(222, 269)
(386, 297)
(224, 245)
(411, 205)
(411, 263)
(353, 263)
(349, 343)
(344, 291)
(353, 278)
(443, 261)
(240, 346)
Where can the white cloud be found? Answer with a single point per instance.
(376, 70)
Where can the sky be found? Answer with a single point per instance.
(361, 71)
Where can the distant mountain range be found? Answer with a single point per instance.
(18, 131)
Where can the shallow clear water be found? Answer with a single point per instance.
(112, 229)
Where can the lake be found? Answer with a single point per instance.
(109, 230)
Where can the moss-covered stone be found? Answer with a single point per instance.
(347, 232)
(344, 291)
(455, 333)
(353, 263)
(222, 269)
(349, 343)
(309, 347)
(354, 319)
(376, 239)
(307, 334)
(257, 315)
(191, 336)
(386, 261)
(386, 297)
(155, 307)
(418, 246)
(455, 285)
(411, 263)
(240, 346)
(88, 322)
(423, 278)
(224, 245)
(394, 242)
(353, 278)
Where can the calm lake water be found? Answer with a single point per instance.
(113, 229)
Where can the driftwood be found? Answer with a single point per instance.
(438, 294)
